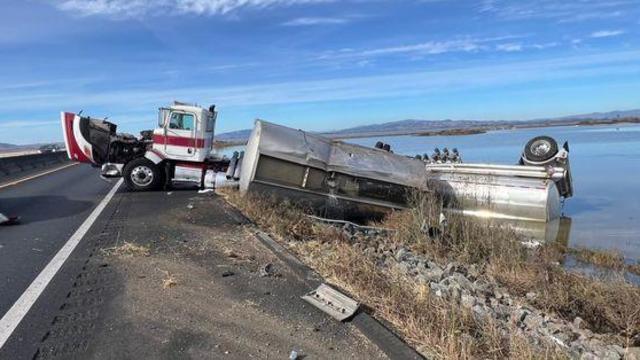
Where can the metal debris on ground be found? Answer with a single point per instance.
(190, 206)
(267, 270)
(531, 244)
(293, 355)
(228, 273)
(336, 304)
(352, 228)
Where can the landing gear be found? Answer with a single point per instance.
(141, 174)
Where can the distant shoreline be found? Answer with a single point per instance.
(460, 131)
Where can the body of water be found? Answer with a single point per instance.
(605, 164)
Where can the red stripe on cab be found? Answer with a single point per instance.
(178, 141)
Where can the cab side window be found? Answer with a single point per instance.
(181, 121)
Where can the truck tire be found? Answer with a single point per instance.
(540, 149)
(141, 174)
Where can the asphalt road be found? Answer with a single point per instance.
(51, 207)
(102, 306)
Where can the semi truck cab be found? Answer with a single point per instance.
(185, 132)
(179, 149)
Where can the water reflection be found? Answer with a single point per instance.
(557, 231)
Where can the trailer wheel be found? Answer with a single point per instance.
(541, 148)
(142, 174)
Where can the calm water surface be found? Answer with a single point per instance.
(605, 164)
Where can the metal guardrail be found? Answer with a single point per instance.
(14, 165)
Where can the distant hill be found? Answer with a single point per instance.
(606, 115)
(5, 146)
(413, 126)
(240, 135)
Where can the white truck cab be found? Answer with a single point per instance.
(180, 149)
(184, 132)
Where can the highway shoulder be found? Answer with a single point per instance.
(173, 275)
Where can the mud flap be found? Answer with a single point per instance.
(338, 305)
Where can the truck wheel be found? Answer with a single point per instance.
(541, 148)
(142, 174)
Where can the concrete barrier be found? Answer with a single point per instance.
(15, 165)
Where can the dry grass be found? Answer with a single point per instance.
(603, 258)
(280, 218)
(128, 250)
(169, 280)
(429, 322)
(634, 268)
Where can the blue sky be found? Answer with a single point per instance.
(313, 64)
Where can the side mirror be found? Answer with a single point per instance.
(162, 117)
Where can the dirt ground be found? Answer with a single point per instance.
(197, 284)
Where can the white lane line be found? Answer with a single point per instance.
(14, 316)
(15, 182)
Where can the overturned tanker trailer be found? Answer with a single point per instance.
(341, 180)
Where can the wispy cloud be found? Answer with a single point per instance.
(425, 48)
(460, 44)
(511, 47)
(560, 11)
(518, 46)
(309, 21)
(129, 8)
(606, 33)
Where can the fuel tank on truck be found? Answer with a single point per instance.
(524, 193)
(348, 181)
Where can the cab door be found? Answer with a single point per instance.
(180, 134)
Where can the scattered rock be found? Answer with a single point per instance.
(438, 290)
(533, 321)
(467, 301)
(468, 286)
(432, 274)
(461, 280)
(401, 254)
(519, 315)
(449, 269)
(480, 310)
(404, 267)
